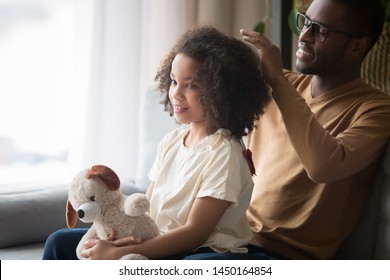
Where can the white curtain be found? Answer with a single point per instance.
(119, 44)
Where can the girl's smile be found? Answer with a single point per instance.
(184, 93)
(178, 109)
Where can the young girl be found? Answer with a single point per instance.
(202, 175)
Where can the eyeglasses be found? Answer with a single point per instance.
(318, 31)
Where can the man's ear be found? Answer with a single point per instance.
(359, 46)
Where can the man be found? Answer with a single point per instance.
(316, 149)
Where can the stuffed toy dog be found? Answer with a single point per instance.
(95, 196)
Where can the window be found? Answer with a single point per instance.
(36, 62)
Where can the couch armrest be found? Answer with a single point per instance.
(30, 217)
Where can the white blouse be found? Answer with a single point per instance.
(215, 168)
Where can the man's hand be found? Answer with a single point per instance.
(270, 58)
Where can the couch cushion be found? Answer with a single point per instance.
(30, 217)
(383, 241)
(364, 242)
(25, 252)
(154, 124)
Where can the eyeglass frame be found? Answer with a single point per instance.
(310, 25)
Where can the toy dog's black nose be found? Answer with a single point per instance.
(80, 214)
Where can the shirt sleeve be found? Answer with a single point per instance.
(325, 157)
(223, 177)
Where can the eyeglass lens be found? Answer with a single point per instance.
(317, 31)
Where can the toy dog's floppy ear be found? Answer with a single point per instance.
(106, 175)
(71, 215)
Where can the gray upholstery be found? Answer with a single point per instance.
(154, 124)
(23, 252)
(371, 237)
(30, 217)
(382, 249)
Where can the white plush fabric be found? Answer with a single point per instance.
(95, 196)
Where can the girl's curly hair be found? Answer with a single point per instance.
(233, 92)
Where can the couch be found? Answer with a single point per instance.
(28, 216)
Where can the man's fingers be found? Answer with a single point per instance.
(249, 33)
(255, 38)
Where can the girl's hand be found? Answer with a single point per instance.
(98, 249)
(107, 249)
(127, 241)
(270, 58)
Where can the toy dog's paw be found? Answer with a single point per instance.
(136, 204)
